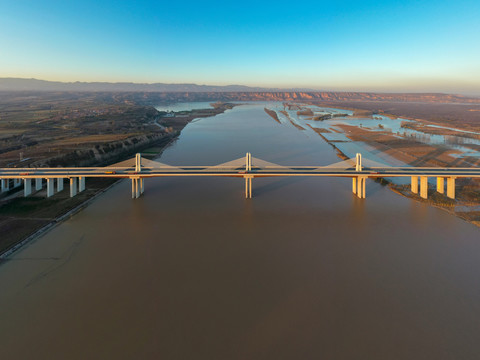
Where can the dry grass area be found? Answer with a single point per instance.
(424, 155)
(406, 150)
(461, 115)
(318, 130)
(89, 139)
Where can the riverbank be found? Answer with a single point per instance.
(23, 219)
(467, 197)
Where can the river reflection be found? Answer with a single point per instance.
(193, 270)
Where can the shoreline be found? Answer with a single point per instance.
(66, 212)
(37, 234)
(448, 207)
(53, 224)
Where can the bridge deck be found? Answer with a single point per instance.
(122, 172)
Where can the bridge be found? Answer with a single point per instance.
(138, 169)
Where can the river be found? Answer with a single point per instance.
(193, 270)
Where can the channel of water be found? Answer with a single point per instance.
(194, 270)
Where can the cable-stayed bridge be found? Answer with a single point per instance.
(138, 169)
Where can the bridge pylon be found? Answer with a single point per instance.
(138, 162)
(358, 162)
(358, 182)
(248, 178)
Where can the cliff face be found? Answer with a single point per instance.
(307, 96)
(105, 153)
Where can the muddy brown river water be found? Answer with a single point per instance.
(192, 270)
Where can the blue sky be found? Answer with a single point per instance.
(329, 45)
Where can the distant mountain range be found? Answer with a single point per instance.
(18, 84)
(193, 92)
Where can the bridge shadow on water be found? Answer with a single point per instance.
(259, 190)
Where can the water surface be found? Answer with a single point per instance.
(192, 270)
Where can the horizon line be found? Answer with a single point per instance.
(252, 88)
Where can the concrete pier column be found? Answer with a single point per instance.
(137, 188)
(354, 185)
(5, 185)
(50, 187)
(248, 187)
(81, 183)
(17, 182)
(59, 184)
(440, 185)
(423, 187)
(134, 188)
(250, 184)
(27, 190)
(415, 184)
(38, 184)
(73, 186)
(142, 186)
(361, 193)
(451, 187)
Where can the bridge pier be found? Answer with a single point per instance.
(137, 188)
(440, 185)
(361, 181)
(5, 185)
(17, 182)
(38, 184)
(423, 187)
(415, 184)
(27, 189)
(451, 187)
(354, 185)
(50, 187)
(142, 186)
(81, 184)
(73, 187)
(248, 187)
(59, 184)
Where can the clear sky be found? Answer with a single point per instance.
(389, 45)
